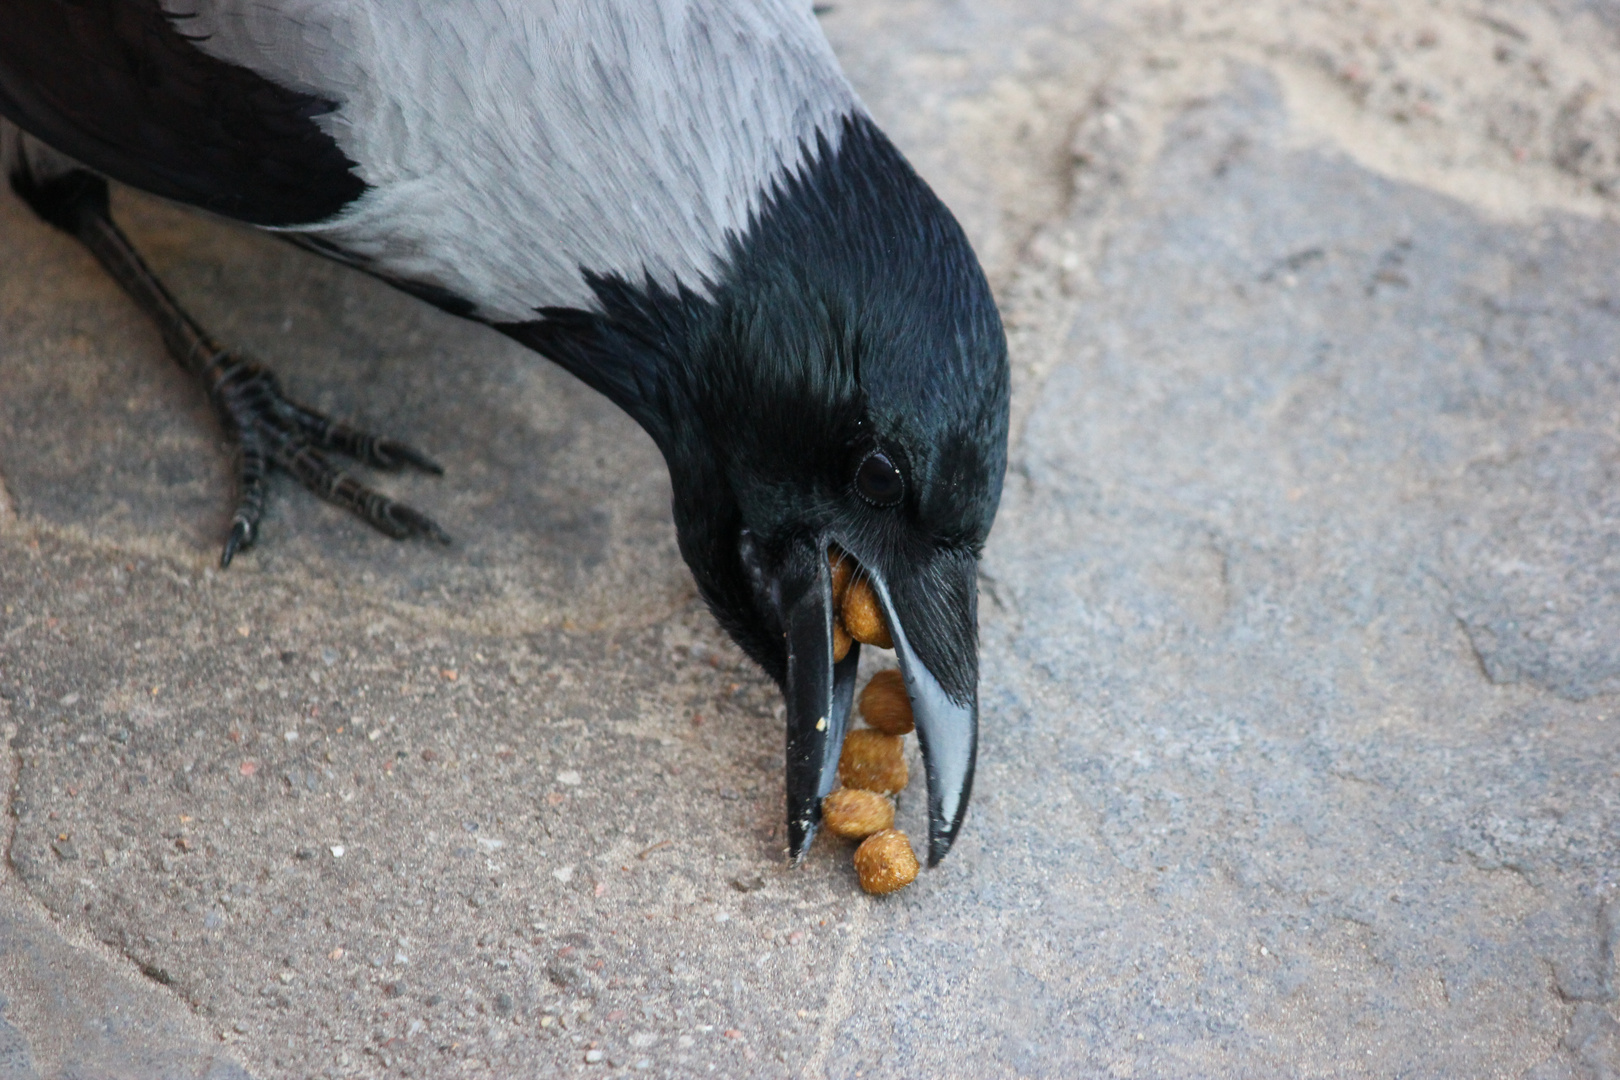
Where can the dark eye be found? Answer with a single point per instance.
(878, 481)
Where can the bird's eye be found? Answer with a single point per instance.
(878, 481)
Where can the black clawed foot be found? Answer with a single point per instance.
(273, 431)
(368, 449)
(269, 429)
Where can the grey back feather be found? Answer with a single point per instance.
(509, 144)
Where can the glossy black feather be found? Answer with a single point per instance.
(118, 86)
(852, 315)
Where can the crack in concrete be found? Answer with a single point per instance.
(12, 777)
(11, 774)
(840, 1002)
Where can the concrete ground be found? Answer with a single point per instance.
(1301, 620)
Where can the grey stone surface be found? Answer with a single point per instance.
(70, 1013)
(1301, 620)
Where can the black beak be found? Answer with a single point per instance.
(947, 729)
(819, 692)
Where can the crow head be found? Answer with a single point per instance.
(843, 385)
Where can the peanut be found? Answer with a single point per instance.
(841, 641)
(862, 618)
(885, 862)
(885, 704)
(855, 814)
(843, 568)
(873, 761)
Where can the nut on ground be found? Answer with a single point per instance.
(862, 617)
(885, 862)
(873, 761)
(885, 704)
(855, 814)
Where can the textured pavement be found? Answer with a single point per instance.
(1301, 620)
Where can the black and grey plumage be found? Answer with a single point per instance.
(680, 201)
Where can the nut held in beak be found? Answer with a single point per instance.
(855, 814)
(873, 761)
(885, 704)
(843, 568)
(841, 642)
(885, 862)
(863, 618)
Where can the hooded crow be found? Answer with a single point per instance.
(682, 202)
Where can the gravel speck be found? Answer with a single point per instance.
(747, 883)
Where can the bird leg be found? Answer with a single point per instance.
(270, 430)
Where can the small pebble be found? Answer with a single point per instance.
(594, 1057)
(746, 883)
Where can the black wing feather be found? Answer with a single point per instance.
(120, 87)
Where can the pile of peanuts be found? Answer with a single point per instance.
(872, 766)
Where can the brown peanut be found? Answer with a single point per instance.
(885, 862)
(841, 641)
(885, 704)
(843, 568)
(862, 617)
(855, 814)
(873, 761)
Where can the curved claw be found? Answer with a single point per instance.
(241, 538)
(272, 430)
(391, 454)
(416, 524)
